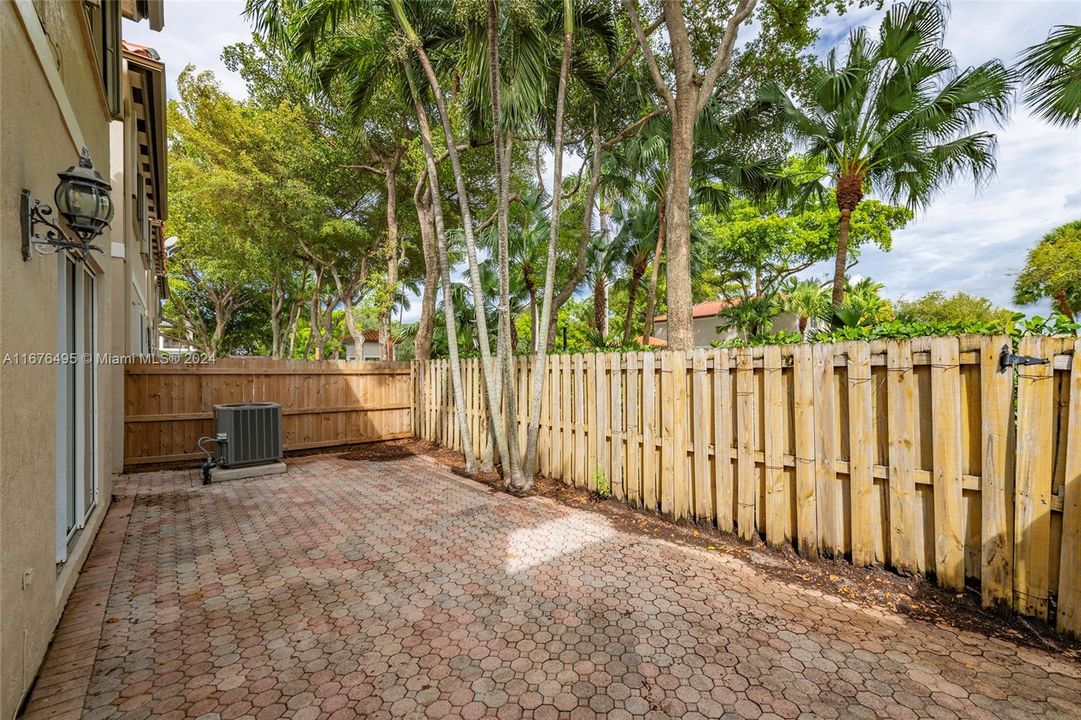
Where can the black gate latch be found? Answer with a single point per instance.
(1006, 359)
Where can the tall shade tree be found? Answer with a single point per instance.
(684, 98)
(690, 65)
(1052, 70)
(1053, 271)
(897, 116)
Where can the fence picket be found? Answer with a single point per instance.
(900, 401)
(724, 485)
(773, 448)
(831, 533)
(996, 485)
(746, 484)
(634, 433)
(580, 471)
(703, 498)
(1032, 516)
(861, 452)
(615, 397)
(649, 432)
(946, 462)
(668, 429)
(803, 408)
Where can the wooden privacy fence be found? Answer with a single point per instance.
(169, 406)
(917, 454)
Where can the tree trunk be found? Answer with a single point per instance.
(541, 356)
(600, 303)
(605, 240)
(693, 90)
(841, 260)
(313, 313)
(277, 302)
(355, 333)
(386, 351)
(444, 275)
(678, 275)
(848, 193)
(1064, 304)
(632, 297)
(655, 272)
(426, 326)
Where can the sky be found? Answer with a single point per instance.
(969, 240)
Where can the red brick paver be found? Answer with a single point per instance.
(394, 590)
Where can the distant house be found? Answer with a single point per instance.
(707, 324)
(370, 350)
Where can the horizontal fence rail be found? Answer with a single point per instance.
(916, 454)
(169, 406)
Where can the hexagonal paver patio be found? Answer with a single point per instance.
(396, 590)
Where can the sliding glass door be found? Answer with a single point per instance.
(76, 371)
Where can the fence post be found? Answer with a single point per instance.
(1069, 576)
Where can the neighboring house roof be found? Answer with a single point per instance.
(368, 335)
(653, 342)
(145, 50)
(147, 81)
(710, 308)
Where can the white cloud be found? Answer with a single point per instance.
(195, 32)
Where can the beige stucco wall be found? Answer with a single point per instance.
(705, 329)
(36, 141)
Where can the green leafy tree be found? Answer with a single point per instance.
(1053, 271)
(1052, 70)
(771, 247)
(896, 116)
(960, 308)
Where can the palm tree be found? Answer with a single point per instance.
(749, 317)
(1053, 72)
(807, 300)
(896, 116)
(515, 105)
(350, 44)
(632, 247)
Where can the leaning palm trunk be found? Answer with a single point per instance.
(541, 356)
(444, 276)
(487, 370)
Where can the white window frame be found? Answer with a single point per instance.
(69, 392)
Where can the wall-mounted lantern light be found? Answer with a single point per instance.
(82, 197)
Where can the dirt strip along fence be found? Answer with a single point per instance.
(169, 406)
(916, 454)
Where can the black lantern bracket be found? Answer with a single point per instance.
(34, 213)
